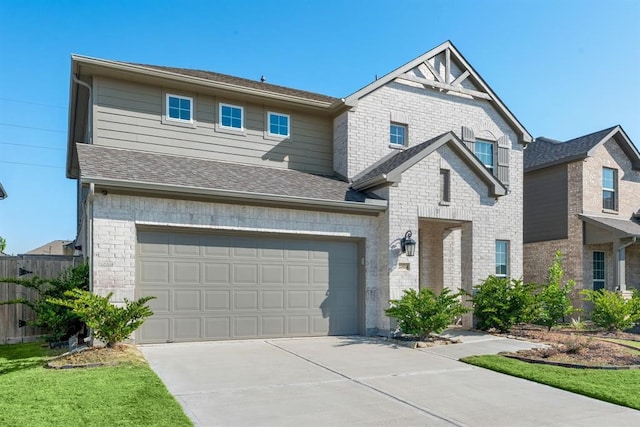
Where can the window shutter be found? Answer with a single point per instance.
(469, 138)
(502, 170)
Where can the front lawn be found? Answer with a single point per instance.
(125, 395)
(616, 386)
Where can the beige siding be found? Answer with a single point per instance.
(129, 116)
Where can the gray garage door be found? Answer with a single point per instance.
(216, 287)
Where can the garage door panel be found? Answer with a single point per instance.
(272, 326)
(154, 271)
(186, 272)
(245, 274)
(217, 273)
(298, 275)
(297, 300)
(186, 245)
(245, 300)
(216, 328)
(272, 300)
(245, 327)
(272, 274)
(217, 300)
(215, 287)
(186, 300)
(187, 328)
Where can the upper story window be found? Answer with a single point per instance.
(398, 134)
(445, 186)
(179, 108)
(598, 270)
(279, 124)
(484, 152)
(231, 116)
(502, 258)
(609, 189)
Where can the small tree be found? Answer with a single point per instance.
(110, 323)
(422, 313)
(501, 302)
(58, 321)
(3, 244)
(553, 301)
(611, 311)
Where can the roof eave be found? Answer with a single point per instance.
(370, 206)
(617, 232)
(561, 161)
(153, 72)
(375, 182)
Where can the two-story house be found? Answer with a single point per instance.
(582, 197)
(255, 210)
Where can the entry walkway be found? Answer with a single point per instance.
(358, 381)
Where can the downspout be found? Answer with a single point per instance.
(621, 264)
(90, 197)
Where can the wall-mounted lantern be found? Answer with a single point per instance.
(407, 244)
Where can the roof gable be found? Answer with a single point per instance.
(444, 68)
(389, 169)
(546, 152)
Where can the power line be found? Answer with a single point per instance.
(31, 146)
(32, 103)
(32, 164)
(32, 127)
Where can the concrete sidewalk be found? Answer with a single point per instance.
(350, 381)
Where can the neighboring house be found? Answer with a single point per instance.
(254, 210)
(582, 197)
(56, 247)
(3, 194)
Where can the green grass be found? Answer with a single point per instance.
(630, 343)
(621, 387)
(125, 395)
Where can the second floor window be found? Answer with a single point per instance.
(609, 189)
(484, 152)
(398, 134)
(231, 116)
(179, 108)
(502, 258)
(278, 124)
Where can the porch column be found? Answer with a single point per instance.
(466, 273)
(621, 282)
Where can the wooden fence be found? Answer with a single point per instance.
(43, 266)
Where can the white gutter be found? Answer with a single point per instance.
(370, 205)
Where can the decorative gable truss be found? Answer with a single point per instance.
(445, 72)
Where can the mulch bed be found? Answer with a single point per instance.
(581, 349)
(98, 356)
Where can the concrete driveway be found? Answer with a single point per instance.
(352, 381)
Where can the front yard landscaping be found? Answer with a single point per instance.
(128, 394)
(605, 364)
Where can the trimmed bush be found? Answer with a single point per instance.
(501, 302)
(611, 311)
(110, 323)
(422, 313)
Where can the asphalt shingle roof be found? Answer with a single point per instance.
(395, 160)
(127, 165)
(628, 227)
(545, 151)
(238, 81)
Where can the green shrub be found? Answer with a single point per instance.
(501, 302)
(110, 323)
(58, 321)
(553, 302)
(421, 313)
(611, 311)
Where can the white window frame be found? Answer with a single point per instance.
(405, 137)
(613, 190)
(506, 258)
(602, 281)
(278, 135)
(491, 167)
(167, 117)
(232, 128)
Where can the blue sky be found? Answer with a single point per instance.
(564, 68)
